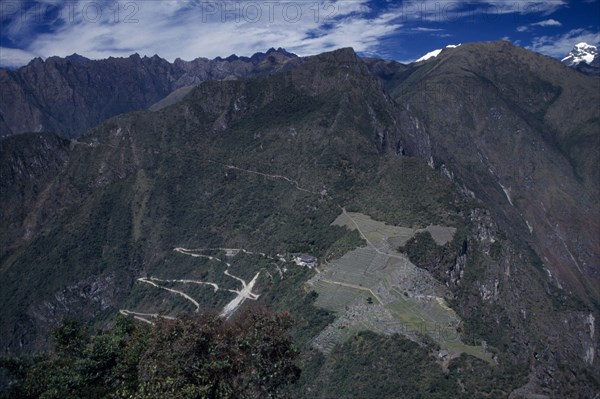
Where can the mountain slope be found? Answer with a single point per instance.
(267, 165)
(143, 160)
(592, 69)
(520, 130)
(29, 166)
(70, 95)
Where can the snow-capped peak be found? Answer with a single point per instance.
(582, 52)
(435, 53)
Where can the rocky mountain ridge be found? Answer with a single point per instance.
(70, 95)
(514, 122)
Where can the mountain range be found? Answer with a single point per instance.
(70, 95)
(461, 189)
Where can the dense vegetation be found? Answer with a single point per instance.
(131, 197)
(203, 356)
(421, 249)
(209, 172)
(194, 356)
(373, 366)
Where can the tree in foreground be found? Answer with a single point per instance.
(193, 356)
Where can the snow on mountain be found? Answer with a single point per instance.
(582, 52)
(435, 53)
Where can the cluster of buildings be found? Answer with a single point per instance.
(305, 260)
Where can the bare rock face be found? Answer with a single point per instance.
(591, 69)
(70, 95)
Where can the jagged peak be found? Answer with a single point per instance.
(344, 57)
(280, 50)
(256, 57)
(154, 57)
(36, 61)
(76, 56)
(344, 54)
(582, 52)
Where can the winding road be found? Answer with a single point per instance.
(228, 310)
(142, 316)
(280, 177)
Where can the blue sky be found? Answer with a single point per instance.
(400, 30)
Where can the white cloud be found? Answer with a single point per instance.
(423, 29)
(559, 46)
(528, 7)
(12, 58)
(190, 28)
(476, 10)
(547, 22)
(207, 28)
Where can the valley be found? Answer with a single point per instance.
(410, 301)
(204, 203)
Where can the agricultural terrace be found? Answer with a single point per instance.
(379, 289)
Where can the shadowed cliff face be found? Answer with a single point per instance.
(30, 164)
(495, 123)
(70, 95)
(521, 131)
(591, 69)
